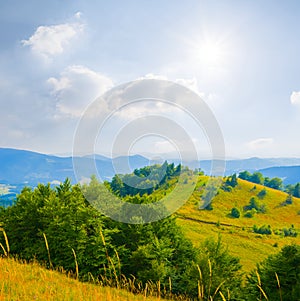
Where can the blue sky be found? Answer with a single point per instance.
(241, 57)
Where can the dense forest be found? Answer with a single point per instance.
(60, 228)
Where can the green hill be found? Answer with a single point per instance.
(59, 228)
(237, 233)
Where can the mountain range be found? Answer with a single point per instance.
(23, 167)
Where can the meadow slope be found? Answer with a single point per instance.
(237, 233)
(30, 281)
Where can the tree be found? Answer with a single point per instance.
(245, 175)
(284, 266)
(255, 204)
(257, 178)
(218, 270)
(275, 183)
(296, 192)
(235, 212)
(68, 222)
(117, 185)
(262, 193)
(232, 181)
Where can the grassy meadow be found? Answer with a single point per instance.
(237, 233)
(30, 281)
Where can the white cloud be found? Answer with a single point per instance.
(295, 98)
(76, 87)
(48, 41)
(260, 143)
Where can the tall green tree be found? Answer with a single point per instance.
(278, 276)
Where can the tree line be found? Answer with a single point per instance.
(275, 183)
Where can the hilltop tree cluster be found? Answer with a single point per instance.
(258, 178)
(144, 180)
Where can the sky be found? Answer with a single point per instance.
(241, 57)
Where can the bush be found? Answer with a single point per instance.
(235, 212)
(263, 229)
(232, 181)
(289, 232)
(262, 193)
(288, 201)
(255, 204)
(251, 213)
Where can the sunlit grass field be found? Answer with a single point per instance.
(29, 281)
(237, 233)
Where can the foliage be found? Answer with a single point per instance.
(278, 276)
(68, 222)
(275, 183)
(144, 180)
(214, 270)
(288, 201)
(293, 190)
(231, 181)
(262, 193)
(250, 213)
(290, 231)
(265, 229)
(151, 253)
(258, 178)
(54, 225)
(235, 212)
(254, 203)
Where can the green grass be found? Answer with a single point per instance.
(237, 233)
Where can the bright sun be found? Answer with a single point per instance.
(209, 53)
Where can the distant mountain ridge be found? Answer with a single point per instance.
(289, 174)
(23, 167)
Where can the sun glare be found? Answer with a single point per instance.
(210, 53)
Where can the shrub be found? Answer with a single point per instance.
(235, 212)
(290, 231)
(232, 181)
(262, 193)
(263, 229)
(255, 204)
(250, 213)
(288, 201)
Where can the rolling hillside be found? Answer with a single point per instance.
(237, 233)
